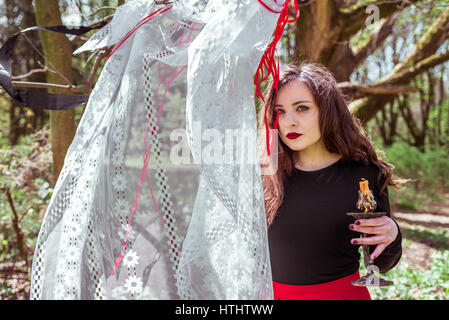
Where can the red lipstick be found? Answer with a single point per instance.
(293, 135)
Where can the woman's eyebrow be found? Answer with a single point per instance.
(294, 103)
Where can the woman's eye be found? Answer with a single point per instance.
(300, 108)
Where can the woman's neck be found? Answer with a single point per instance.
(315, 158)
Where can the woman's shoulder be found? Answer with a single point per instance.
(364, 168)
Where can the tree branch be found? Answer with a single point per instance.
(408, 119)
(357, 8)
(421, 66)
(101, 9)
(422, 58)
(45, 58)
(366, 107)
(65, 88)
(101, 55)
(87, 88)
(16, 225)
(359, 90)
(82, 38)
(29, 74)
(429, 42)
(375, 39)
(355, 16)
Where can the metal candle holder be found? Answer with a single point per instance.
(367, 204)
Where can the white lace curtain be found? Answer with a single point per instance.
(151, 203)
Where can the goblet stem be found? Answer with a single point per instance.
(366, 256)
(370, 279)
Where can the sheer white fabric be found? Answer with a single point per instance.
(193, 229)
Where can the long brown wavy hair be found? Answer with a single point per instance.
(342, 133)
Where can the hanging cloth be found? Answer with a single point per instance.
(160, 196)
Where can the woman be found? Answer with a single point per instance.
(323, 153)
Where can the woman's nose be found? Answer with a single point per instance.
(290, 118)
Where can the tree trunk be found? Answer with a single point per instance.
(325, 28)
(20, 15)
(58, 54)
(29, 19)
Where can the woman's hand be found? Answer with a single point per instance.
(384, 228)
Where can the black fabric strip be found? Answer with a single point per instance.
(35, 99)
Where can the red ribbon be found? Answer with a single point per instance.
(137, 26)
(268, 60)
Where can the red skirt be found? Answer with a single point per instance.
(340, 289)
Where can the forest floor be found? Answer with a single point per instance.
(15, 280)
(435, 215)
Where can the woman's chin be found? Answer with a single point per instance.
(296, 146)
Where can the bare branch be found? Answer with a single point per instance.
(24, 213)
(418, 68)
(29, 74)
(16, 225)
(87, 63)
(65, 88)
(422, 58)
(359, 90)
(100, 9)
(164, 2)
(43, 56)
(101, 55)
(355, 16)
(360, 7)
(375, 39)
(429, 42)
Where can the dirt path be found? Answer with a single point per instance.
(436, 216)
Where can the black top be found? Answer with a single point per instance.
(310, 239)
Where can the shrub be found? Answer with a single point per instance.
(428, 170)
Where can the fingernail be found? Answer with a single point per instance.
(354, 242)
(357, 222)
(351, 226)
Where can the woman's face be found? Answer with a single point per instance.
(298, 113)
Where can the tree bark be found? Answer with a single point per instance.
(19, 14)
(20, 237)
(325, 28)
(29, 20)
(422, 58)
(58, 54)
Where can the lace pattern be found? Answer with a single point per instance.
(126, 221)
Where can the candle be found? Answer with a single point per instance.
(366, 202)
(364, 187)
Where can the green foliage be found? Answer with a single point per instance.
(4, 118)
(436, 237)
(438, 117)
(412, 284)
(25, 172)
(428, 170)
